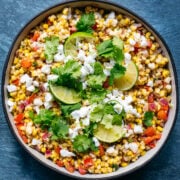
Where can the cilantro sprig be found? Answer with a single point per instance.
(86, 23)
(148, 117)
(51, 45)
(47, 119)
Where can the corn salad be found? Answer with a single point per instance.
(144, 106)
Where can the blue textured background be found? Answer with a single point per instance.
(15, 163)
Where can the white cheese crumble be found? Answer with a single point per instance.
(138, 129)
(151, 66)
(118, 108)
(74, 132)
(48, 97)
(111, 150)
(150, 83)
(35, 142)
(132, 146)
(11, 88)
(30, 88)
(46, 69)
(96, 141)
(66, 153)
(37, 102)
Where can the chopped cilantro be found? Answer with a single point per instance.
(148, 117)
(51, 44)
(83, 144)
(116, 72)
(49, 120)
(89, 130)
(69, 75)
(111, 49)
(59, 129)
(105, 114)
(68, 108)
(86, 22)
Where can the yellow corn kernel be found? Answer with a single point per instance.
(124, 164)
(153, 47)
(65, 11)
(139, 110)
(165, 73)
(43, 149)
(143, 153)
(148, 34)
(159, 128)
(163, 93)
(13, 94)
(129, 153)
(45, 26)
(34, 133)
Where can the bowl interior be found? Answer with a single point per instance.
(172, 114)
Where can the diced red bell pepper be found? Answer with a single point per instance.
(88, 162)
(35, 36)
(60, 163)
(101, 150)
(69, 167)
(151, 98)
(57, 149)
(16, 82)
(150, 131)
(82, 170)
(31, 98)
(19, 118)
(162, 114)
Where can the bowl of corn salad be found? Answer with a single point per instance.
(89, 89)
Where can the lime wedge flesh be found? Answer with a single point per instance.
(65, 95)
(70, 47)
(109, 135)
(127, 81)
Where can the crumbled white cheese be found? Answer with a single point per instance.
(46, 69)
(45, 86)
(111, 150)
(37, 102)
(36, 83)
(74, 132)
(118, 108)
(150, 83)
(138, 129)
(132, 146)
(36, 108)
(127, 57)
(81, 55)
(167, 80)
(111, 15)
(52, 77)
(168, 87)
(96, 141)
(81, 113)
(151, 66)
(132, 41)
(48, 97)
(48, 105)
(35, 142)
(66, 153)
(10, 104)
(59, 57)
(143, 41)
(11, 88)
(30, 88)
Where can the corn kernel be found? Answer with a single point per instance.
(124, 164)
(159, 128)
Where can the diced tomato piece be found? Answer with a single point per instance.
(151, 98)
(152, 107)
(19, 118)
(60, 163)
(94, 27)
(150, 131)
(16, 82)
(31, 98)
(106, 83)
(23, 136)
(82, 170)
(72, 29)
(88, 162)
(57, 150)
(149, 44)
(35, 36)
(150, 139)
(152, 145)
(69, 167)
(26, 63)
(19, 126)
(162, 114)
(101, 150)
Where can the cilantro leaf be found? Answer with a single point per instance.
(98, 68)
(89, 130)
(97, 113)
(116, 72)
(44, 118)
(107, 121)
(86, 22)
(83, 144)
(117, 118)
(148, 117)
(59, 128)
(68, 108)
(96, 94)
(69, 75)
(51, 44)
(111, 49)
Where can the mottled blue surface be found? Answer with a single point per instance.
(15, 163)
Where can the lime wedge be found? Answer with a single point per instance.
(129, 79)
(64, 94)
(70, 47)
(109, 135)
